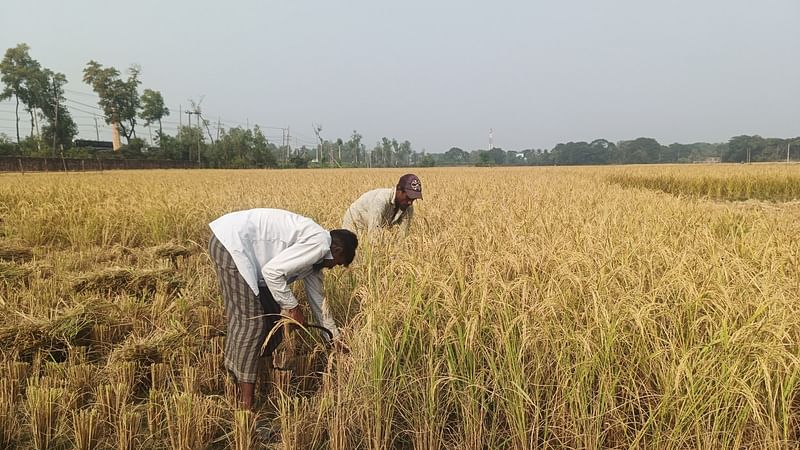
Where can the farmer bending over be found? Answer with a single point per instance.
(384, 207)
(270, 249)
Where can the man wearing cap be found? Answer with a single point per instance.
(384, 208)
(257, 254)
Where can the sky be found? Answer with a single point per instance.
(439, 74)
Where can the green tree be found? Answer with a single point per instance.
(20, 74)
(403, 153)
(744, 149)
(354, 148)
(497, 156)
(119, 98)
(153, 109)
(427, 161)
(386, 151)
(640, 151)
(456, 156)
(61, 129)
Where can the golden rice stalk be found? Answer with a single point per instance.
(11, 251)
(298, 428)
(55, 370)
(128, 425)
(124, 374)
(155, 412)
(9, 425)
(120, 280)
(190, 380)
(42, 407)
(111, 400)
(217, 349)
(189, 423)
(160, 376)
(17, 372)
(85, 429)
(78, 355)
(211, 321)
(231, 393)
(81, 382)
(244, 427)
(209, 373)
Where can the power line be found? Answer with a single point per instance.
(80, 93)
(82, 104)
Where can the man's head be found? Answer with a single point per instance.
(409, 188)
(343, 247)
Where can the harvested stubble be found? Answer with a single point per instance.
(43, 412)
(9, 425)
(120, 280)
(191, 421)
(85, 429)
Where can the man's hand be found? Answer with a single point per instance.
(296, 314)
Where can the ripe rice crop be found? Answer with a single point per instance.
(619, 307)
(731, 182)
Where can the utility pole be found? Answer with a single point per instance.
(55, 124)
(180, 117)
(317, 130)
(199, 131)
(788, 146)
(288, 139)
(96, 128)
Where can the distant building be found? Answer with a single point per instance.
(94, 145)
(709, 160)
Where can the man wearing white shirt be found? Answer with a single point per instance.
(268, 249)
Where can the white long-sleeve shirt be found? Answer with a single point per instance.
(273, 248)
(376, 209)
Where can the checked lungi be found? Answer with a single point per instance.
(249, 318)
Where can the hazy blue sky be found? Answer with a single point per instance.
(440, 73)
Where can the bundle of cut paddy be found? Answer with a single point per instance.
(120, 280)
(12, 272)
(171, 251)
(118, 254)
(10, 251)
(153, 348)
(25, 334)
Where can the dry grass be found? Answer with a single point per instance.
(529, 308)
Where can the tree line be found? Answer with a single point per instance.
(38, 92)
(642, 150)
